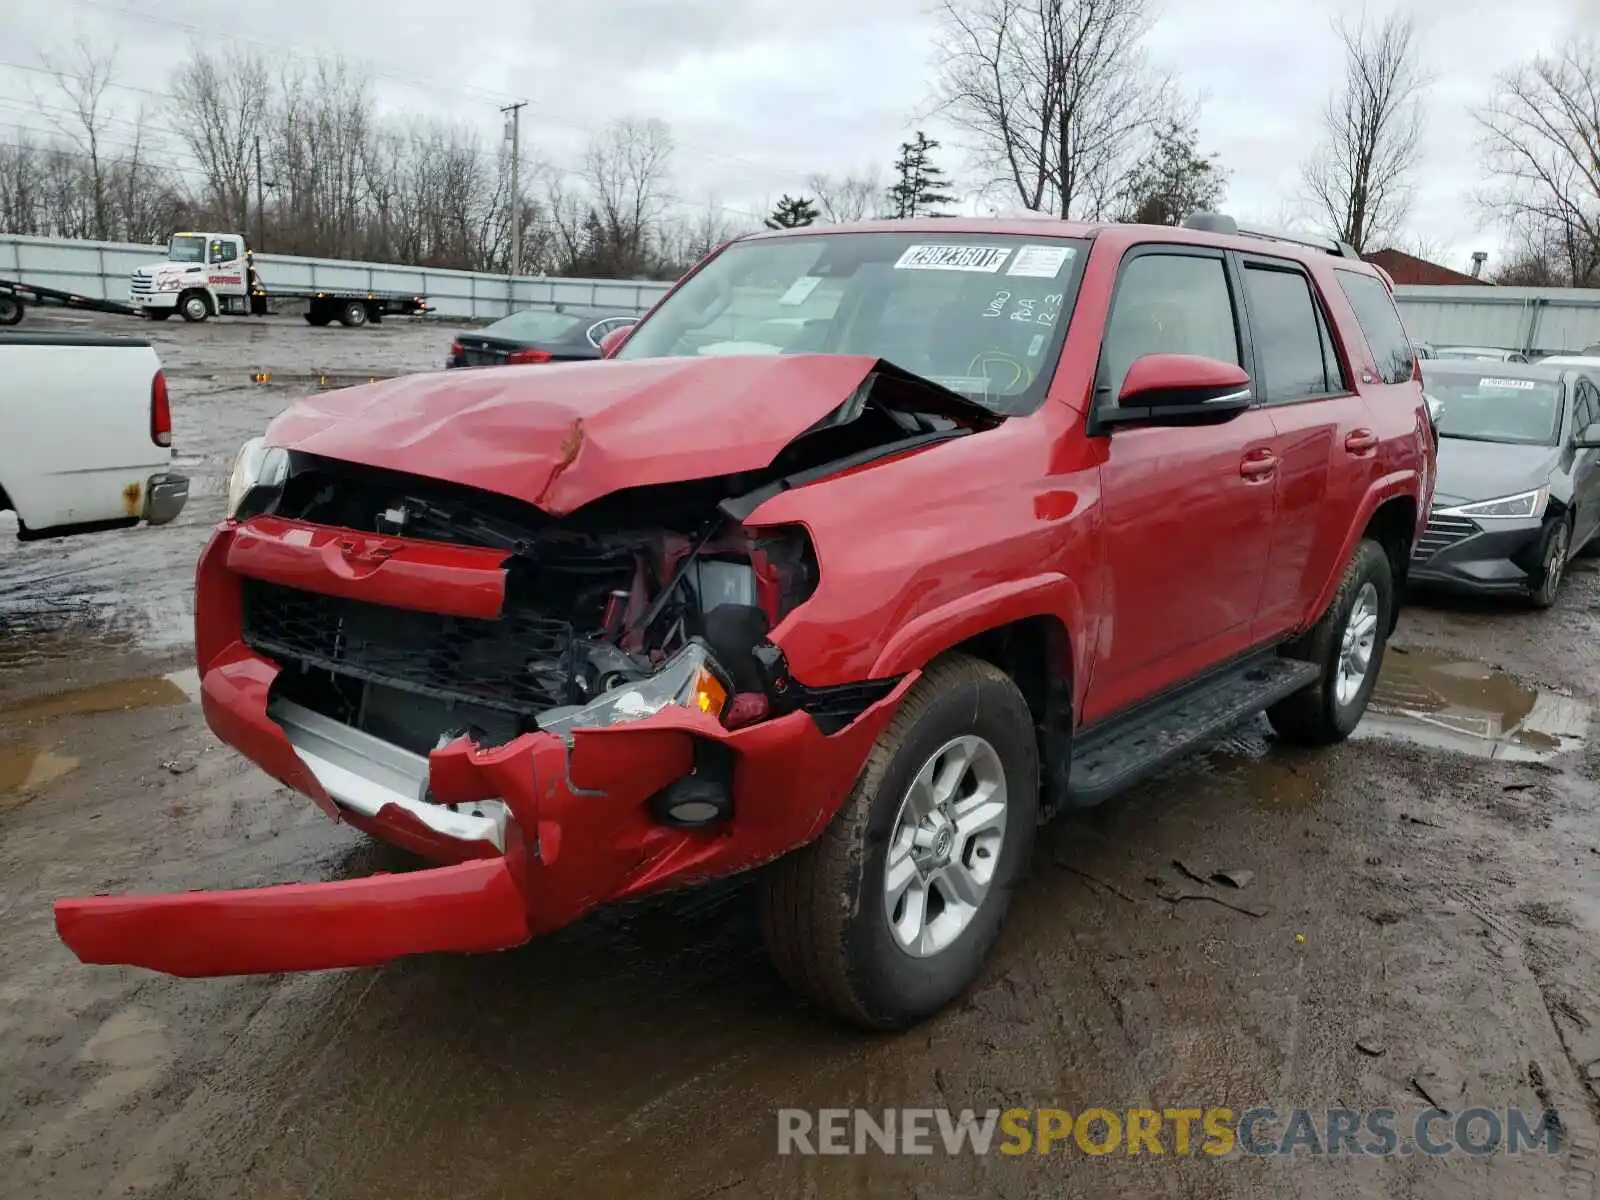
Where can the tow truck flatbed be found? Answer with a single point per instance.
(15, 296)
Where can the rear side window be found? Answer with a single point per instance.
(1392, 350)
(1169, 304)
(1293, 356)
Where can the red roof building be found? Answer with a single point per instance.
(1407, 269)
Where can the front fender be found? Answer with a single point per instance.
(924, 637)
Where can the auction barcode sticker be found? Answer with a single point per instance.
(985, 259)
(1520, 385)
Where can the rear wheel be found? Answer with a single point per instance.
(889, 915)
(194, 307)
(352, 314)
(1348, 644)
(1554, 550)
(158, 314)
(10, 310)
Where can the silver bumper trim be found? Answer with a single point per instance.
(367, 774)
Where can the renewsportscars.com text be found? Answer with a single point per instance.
(1171, 1131)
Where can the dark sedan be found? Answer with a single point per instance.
(534, 335)
(1518, 492)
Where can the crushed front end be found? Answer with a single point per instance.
(560, 712)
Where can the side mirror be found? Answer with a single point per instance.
(1589, 439)
(1179, 389)
(613, 340)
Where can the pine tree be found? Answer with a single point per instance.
(918, 190)
(1172, 181)
(792, 213)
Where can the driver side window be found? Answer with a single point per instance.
(1168, 304)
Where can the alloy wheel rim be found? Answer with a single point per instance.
(1356, 644)
(944, 847)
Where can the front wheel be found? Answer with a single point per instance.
(1348, 644)
(889, 915)
(194, 308)
(1554, 550)
(10, 311)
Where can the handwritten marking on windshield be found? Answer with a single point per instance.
(998, 304)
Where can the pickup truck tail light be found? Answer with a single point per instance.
(528, 356)
(160, 412)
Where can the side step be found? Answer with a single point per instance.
(1125, 749)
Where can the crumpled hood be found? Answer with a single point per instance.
(559, 436)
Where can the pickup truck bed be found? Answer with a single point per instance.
(88, 434)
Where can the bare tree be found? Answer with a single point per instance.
(1358, 179)
(1057, 95)
(84, 78)
(1541, 144)
(220, 108)
(848, 197)
(625, 168)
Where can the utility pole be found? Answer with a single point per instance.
(261, 203)
(514, 135)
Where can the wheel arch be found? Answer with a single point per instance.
(1029, 628)
(1392, 525)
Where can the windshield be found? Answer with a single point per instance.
(1490, 409)
(534, 325)
(187, 249)
(982, 315)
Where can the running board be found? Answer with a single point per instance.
(1124, 750)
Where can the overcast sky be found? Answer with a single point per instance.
(759, 93)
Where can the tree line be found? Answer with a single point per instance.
(1060, 108)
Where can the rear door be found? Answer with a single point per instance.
(1324, 441)
(1586, 463)
(1187, 511)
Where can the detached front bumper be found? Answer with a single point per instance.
(1492, 557)
(535, 833)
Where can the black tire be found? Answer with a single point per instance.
(319, 319)
(824, 913)
(1315, 715)
(194, 307)
(353, 314)
(158, 314)
(10, 311)
(1555, 547)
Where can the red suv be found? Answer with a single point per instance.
(866, 551)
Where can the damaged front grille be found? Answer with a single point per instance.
(516, 664)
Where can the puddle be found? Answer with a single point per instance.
(1434, 700)
(24, 767)
(180, 687)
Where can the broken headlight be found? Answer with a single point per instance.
(259, 473)
(690, 679)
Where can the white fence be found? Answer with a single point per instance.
(1534, 320)
(101, 269)
(1540, 320)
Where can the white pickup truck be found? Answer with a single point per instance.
(88, 434)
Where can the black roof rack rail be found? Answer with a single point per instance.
(1222, 223)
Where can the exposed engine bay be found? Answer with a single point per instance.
(661, 587)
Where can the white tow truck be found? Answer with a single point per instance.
(213, 274)
(88, 443)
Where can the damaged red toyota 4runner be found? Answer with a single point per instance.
(869, 549)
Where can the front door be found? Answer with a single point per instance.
(1188, 511)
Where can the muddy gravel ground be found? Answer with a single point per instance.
(1420, 929)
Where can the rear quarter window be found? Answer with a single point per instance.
(1380, 323)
